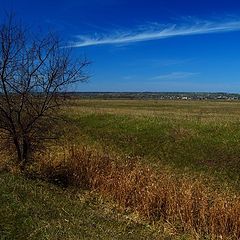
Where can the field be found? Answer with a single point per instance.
(184, 154)
(200, 137)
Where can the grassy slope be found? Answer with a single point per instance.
(37, 210)
(190, 136)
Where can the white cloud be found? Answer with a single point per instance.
(157, 31)
(175, 75)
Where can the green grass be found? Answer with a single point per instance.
(201, 110)
(193, 137)
(200, 137)
(32, 209)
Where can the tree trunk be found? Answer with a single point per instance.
(18, 150)
(23, 152)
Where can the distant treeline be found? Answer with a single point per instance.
(156, 95)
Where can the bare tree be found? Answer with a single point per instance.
(34, 72)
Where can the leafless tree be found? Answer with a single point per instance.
(34, 72)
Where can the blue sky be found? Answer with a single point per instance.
(149, 45)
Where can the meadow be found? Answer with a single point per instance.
(170, 169)
(200, 137)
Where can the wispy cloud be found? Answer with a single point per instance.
(157, 31)
(175, 76)
(129, 77)
(168, 62)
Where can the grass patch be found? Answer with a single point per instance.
(33, 209)
(187, 146)
(188, 205)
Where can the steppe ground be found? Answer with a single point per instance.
(194, 140)
(195, 137)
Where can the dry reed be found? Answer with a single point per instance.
(189, 205)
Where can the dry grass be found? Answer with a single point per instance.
(204, 111)
(188, 205)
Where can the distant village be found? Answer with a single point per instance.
(158, 95)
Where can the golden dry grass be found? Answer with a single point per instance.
(188, 205)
